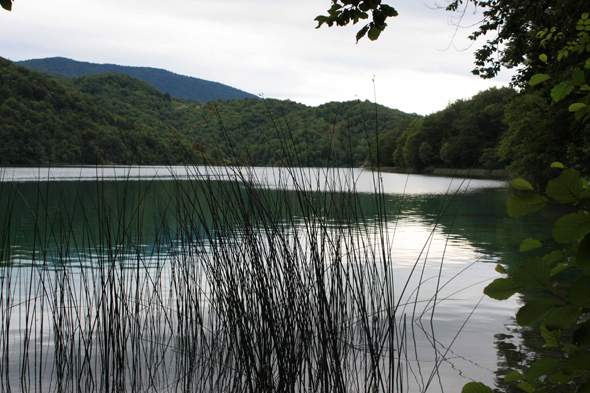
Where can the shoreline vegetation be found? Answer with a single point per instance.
(476, 172)
(112, 118)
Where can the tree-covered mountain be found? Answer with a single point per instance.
(45, 122)
(165, 81)
(113, 118)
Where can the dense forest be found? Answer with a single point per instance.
(167, 82)
(113, 118)
(498, 128)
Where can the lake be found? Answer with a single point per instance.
(249, 279)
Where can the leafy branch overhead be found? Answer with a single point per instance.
(344, 12)
(6, 4)
(577, 82)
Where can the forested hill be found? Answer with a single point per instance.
(45, 122)
(497, 128)
(165, 81)
(113, 118)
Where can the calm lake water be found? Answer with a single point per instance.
(439, 239)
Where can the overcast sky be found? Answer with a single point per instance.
(268, 47)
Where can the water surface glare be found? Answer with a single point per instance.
(209, 278)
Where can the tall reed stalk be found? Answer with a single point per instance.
(225, 282)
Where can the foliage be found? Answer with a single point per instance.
(381, 153)
(555, 310)
(577, 81)
(6, 4)
(538, 133)
(544, 133)
(513, 24)
(563, 306)
(44, 122)
(130, 121)
(456, 137)
(344, 12)
(165, 81)
(510, 23)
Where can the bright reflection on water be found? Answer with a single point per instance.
(362, 181)
(446, 234)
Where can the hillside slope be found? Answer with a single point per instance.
(43, 121)
(114, 118)
(165, 81)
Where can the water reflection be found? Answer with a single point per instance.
(161, 234)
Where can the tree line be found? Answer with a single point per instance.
(113, 118)
(497, 128)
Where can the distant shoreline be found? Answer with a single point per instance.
(495, 173)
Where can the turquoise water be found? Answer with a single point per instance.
(438, 238)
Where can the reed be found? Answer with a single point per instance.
(224, 282)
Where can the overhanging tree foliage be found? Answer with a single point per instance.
(6, 4)
(510, 27)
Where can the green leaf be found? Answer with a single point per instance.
(562, 318)
(361, 33)
(582, 334)
(501, 288)
(558, 378)
(476, 387)
(567, 188)
(6, 4)
(379, 17)
(558, 269)
(321, 20)
(538, 78)
(542, 367)
(374, 32)
(530, 244)
(552, 338)
(534, 311)
(521, 184)
(583, 254)
(560, 91)
(577, 106)
(388, 10)
(543, 58)
(557, 165)
(527, 387)
(579, 292)
(579, 114)
(576, 364)
(569, 349)
(571, 227)
(514, 376)
(553, 258)
(500, 269)
(519, 205)
(577, 78)
(534, 273)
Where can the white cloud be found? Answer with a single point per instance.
(261, 46)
